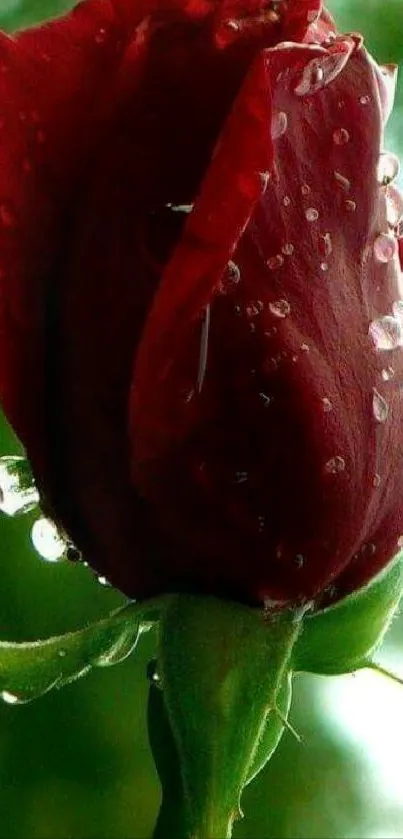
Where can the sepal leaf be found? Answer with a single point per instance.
(29, 670)
(343, 637)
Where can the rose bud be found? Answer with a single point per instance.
(201, 324)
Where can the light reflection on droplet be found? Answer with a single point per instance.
(18, 493)
(385, 247)
(280, 308)
(380, 407)
(341, 136)
(47, 540)
(275, 262)
(311, 214)
(388, 168)
(335, 465)
(279, 124)
(386, 333)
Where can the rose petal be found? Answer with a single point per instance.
(280, 457)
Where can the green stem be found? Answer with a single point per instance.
(171, 821)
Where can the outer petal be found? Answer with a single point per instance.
(56, 84)
(150, 160)
(277, 475)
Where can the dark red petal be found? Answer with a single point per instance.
(56, 84)
(277, 475)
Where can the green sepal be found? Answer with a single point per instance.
(273, 728)
(222, 667)
(344, 637)
(29, 670)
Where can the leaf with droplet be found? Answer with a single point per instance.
(28, 670)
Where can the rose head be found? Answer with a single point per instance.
(201, 324)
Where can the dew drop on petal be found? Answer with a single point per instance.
(324, 266)
(264, 180)
(47, 540)
(18, 493)
(304, 348)
(341, 136)
(325, 244)
(335, 465)
(377, 481)
(100, 37)
(364, 100)
(342, 181)
(266, 400)
(288, 249)
(180, 208)
(387, 374)
(397, 309)
(385, 247)
(327, 405)
(280, 308)
(305, 189)
(311, 214)
(275, 262)
(350, 206)
(388, 168)
(386, 333)
(279, 124)
(394, 206)
(234, 274)
(380, 407)
(241, 477)
(286, 201)
(299, 560)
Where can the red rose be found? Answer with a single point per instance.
(201, 324)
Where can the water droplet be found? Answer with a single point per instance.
(72, 553)
(386, 333)
(400, 542)
(180, 208)
(62, 653)
(324, 266)
(264, 180)
(325, 244)
(385, 247)
(103, 581)
(319, 72)
(311, 80)
(394, 206)
(335, 465)
(327, 405)
(100, 37)
(377, 481)
(350, 206)
(304, 348)
(288, 249)
(364, 100)
(152, 673)
(18, 493)
(266, 400)
(10, 698)
(7, 216)
(234, 274)
(275, 262)
(299, 560)
(398, 310)
(286, 201)
(341, 136)
(342, 181)
(241, 477)
(311, 214)
(280, 308)
(388, 168)
(47, 540)
(387, 374)
(380, 407)
(279, 124)
(305, 189)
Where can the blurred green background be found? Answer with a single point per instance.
(76, 763)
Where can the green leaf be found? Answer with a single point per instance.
(28, 670)
(344, 637)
